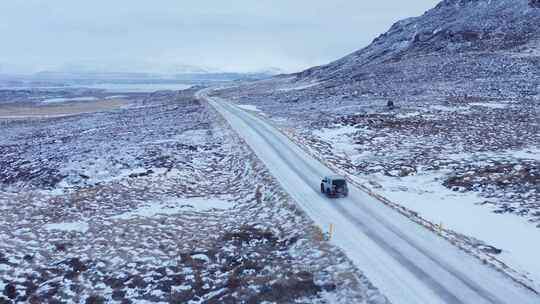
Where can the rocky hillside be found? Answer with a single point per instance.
(483, 48)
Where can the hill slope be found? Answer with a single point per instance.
(478, 47)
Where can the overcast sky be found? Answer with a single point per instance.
(161, 35)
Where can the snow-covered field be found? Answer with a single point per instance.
(410, 263)
(158, 202)
(472, 166)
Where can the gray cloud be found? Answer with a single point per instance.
(158, 35)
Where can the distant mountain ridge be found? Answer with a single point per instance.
(74, 77)
(480, 47)
(90, 70)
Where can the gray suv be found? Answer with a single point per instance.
(334, 186)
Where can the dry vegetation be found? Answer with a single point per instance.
(159, 202)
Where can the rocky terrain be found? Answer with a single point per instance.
(156, 202)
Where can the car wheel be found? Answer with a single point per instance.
(322, 188)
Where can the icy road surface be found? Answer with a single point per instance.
(406, 262)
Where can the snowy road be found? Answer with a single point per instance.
(406, 262)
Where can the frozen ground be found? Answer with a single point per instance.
(471, 155)
(157, 202)
(409, 263)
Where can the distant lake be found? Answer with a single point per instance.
(137, 88)
(112, 87)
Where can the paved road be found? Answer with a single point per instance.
(405, 261)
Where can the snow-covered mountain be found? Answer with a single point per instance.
(476, 47)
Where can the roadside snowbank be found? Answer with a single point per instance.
(464, 213)
(249, 108)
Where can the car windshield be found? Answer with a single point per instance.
(338, 182)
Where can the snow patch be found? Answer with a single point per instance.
(249, 108)
(448, 109)
(493, 105)
(341, 138)
(60, 100)
(528, 153)
(408, 115)
(81, 226)
(336, 132)
(532, 153)
(193, 137)
(116, 97)
(175, 206)
(300, 87)
(463, 212)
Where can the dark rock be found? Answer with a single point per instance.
(289, 241)
(198, 285)
(182, 297)
(95, 300)
(456, 182)
(28, 258)
(62, 246)
(296, 286)
(5, 301)
(177, 279)
(490, 249)
(77, 265)
(118, 295)
(114, 283)
(3, 259)
(165, 286)
(136, 282)
(249, 233)
(30, 285)
(233, 282)
(329, 287)
(10, 291)
(32, 300)
(142, 174)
